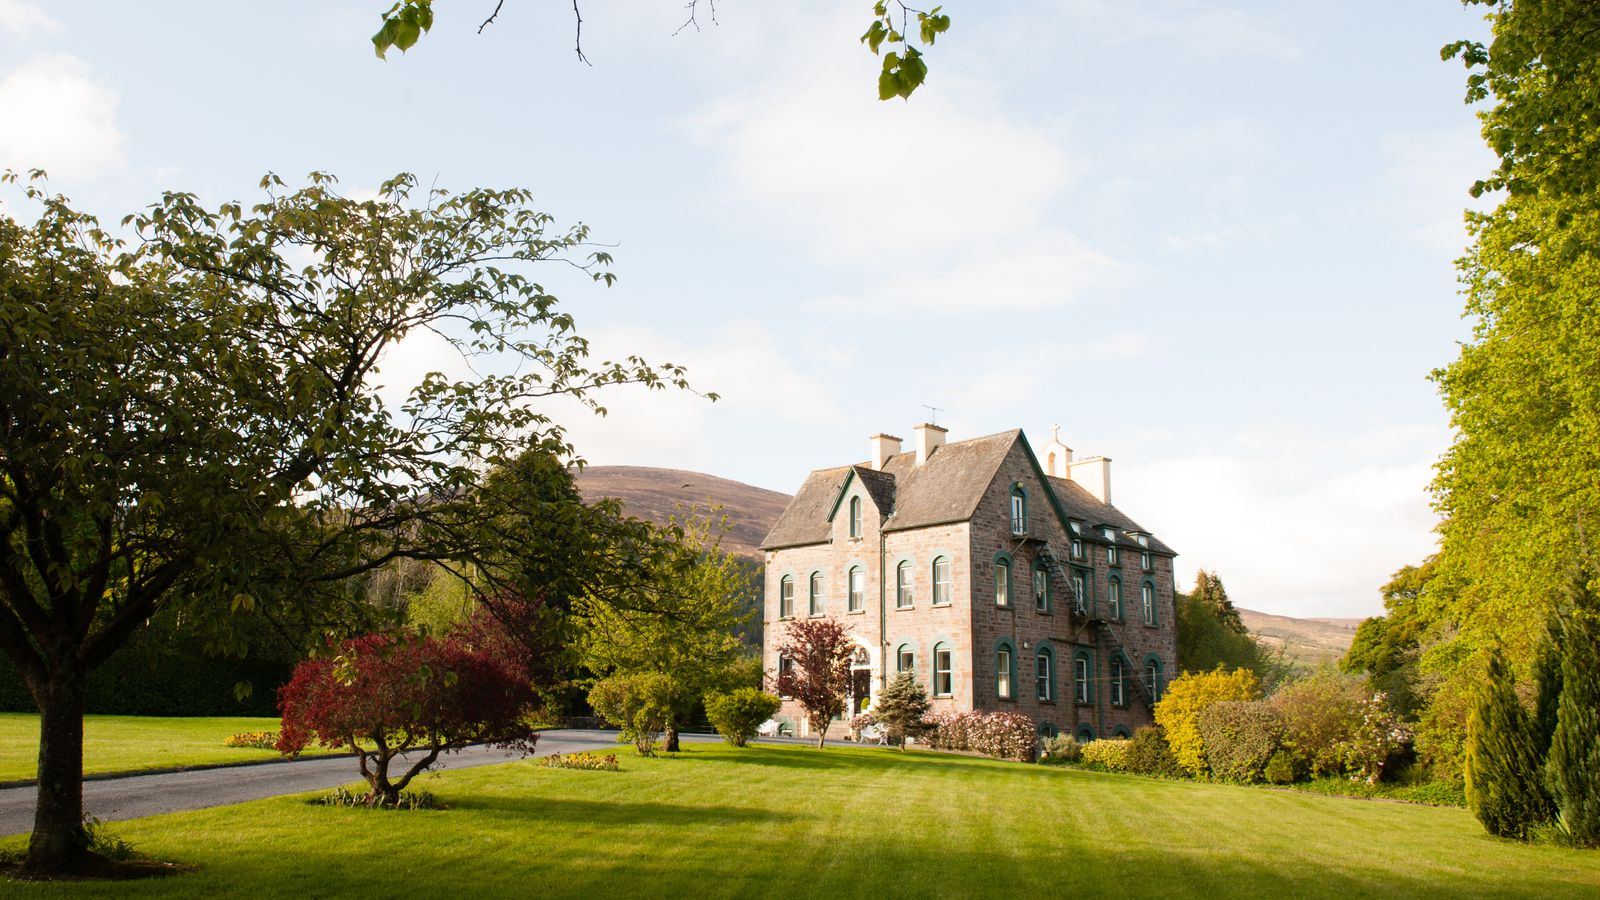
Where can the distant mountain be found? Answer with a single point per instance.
(655, 494)
(1310, 641)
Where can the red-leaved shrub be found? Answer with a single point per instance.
(1002, 734)
(383, 696)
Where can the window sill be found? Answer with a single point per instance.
(1081, 705)
(786, 618)
(1048, 702)
(817, 616)
(855, 612)
(941, 605)
(1044, 612)
(904, 608)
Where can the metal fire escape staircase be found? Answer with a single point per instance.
(1106, 630)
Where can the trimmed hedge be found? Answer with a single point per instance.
(1003, 734)
(1240, 738)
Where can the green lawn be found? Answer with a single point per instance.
(131, 743)
(720, 822)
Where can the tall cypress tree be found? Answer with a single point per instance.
(1572, 771)
(1547, 680)
(1503, 783)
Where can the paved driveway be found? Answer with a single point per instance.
(148, 795)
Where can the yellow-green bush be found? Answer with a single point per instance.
(1178, 712)
(1113, 755)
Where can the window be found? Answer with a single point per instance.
(1083, 679)
(941, 581)
(855, 517)
(1041, 588)
(814, 601)
(1119, 682)
(858, 588)
(1144, 560)
(942, 680)
(785, 669)
(1076, 528)
(1080, 592)
(1121, 733)
(905, 659)
(1111, 555)
(1077, 549)
(1003, 672)
(1109, 533)
(1114, 598)
(1147, 594)
(1019, 510)
(1044, 670)
(1002, 582)
(1085, 733)
(1152, 679)
(902, 584)
(786, 597)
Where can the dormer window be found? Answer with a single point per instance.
(1019, 510)
(1143, 539)
(1076, 528)
(1077, 549)
(1110, 534)
(855, 517)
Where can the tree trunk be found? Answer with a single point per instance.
(59, 842)
(672, 737)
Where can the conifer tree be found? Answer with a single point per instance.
(1547, 680)
(1572, 771)
(901, 707)
(1503, 785)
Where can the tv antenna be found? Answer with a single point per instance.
(933, 413)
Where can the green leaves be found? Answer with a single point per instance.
(403, 25)
(903, 71)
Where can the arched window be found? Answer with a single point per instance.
(814, 599)
(1083, 678)
(1005, 674)
(786, 597)
(1119, 681)
(943, 677)
(1047, 729)
(1080, 591)
(1152, 678)
(904, 593)
(1019, 510)
(858, 588)
(1147, 595)
(905, 659)
(1121, 733)
(855, 517)
(1114, 598)
(1002, 581)
(941, 581)
(1041, 588)
(1044, 665)
(1085, 734)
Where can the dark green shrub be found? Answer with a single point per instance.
(1285, 767)
(1502, 770)
(1152, 755)
(737, 714)
(1573, 768)
(1320, 714)
(901, 707)
(1239, 737)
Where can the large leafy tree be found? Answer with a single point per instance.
(191, 419)
(814, 669)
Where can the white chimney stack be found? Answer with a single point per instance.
(883, 447)
(930, 437)
(1094, 474)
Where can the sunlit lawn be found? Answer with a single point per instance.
(788, 820)
(131, 743)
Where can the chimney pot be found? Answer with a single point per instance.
(930, 437)
(1094, 474)
(883, 447)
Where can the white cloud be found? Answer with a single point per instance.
(1305, 527)
(23, 18)
(1188, 30)
(1425, 181)
(56, 115)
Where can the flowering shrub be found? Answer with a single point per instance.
(1240, 737)
(593, 762)
(1004, 735)
(258, 740)
(1112, 755)
(1376, 738)
(1063, 748)
(404, 800)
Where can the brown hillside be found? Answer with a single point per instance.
(654, 494)
(1309, 641)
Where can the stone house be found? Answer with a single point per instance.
(1002, 581)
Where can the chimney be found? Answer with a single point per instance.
(1094, 474)
(883, 447)
(930, 437)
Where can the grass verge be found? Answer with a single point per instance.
(790, 821)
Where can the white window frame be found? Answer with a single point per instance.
(947, 673)
(1002, 583)
(1004, 676)
(941, 589)
(905, 593)
(1147, 600)
(857, 588)
(814, 602)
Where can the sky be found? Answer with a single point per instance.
(1214, 242)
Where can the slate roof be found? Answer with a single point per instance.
(947, 488)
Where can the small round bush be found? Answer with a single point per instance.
(1285, 767)
(736, 715)
(1152, 755)
(1063, 748)
(1111, 755)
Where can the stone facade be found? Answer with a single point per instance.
(1043, 638)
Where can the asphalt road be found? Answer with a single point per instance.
(148, 795)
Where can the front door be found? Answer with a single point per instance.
(860, 690)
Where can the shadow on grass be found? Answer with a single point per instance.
(611, 812)
(865, 758)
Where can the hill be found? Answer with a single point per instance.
(1310, 641)
(655, 494)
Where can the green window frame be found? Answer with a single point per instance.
(1153, 672)
(904, 588)
(786, 597)
(814, 595)
(941, 581)
(1081, 601)
(1083, 678)
(1005, 670)
(1147, 601)
(943, 670)
(1041, 588)
(1114, 598)
(857, 586)
(1119, 681)
(1019, 510)
(1085, 733)
(1002, 581)
(855, 517)
(905, 658)
(1044, 671)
